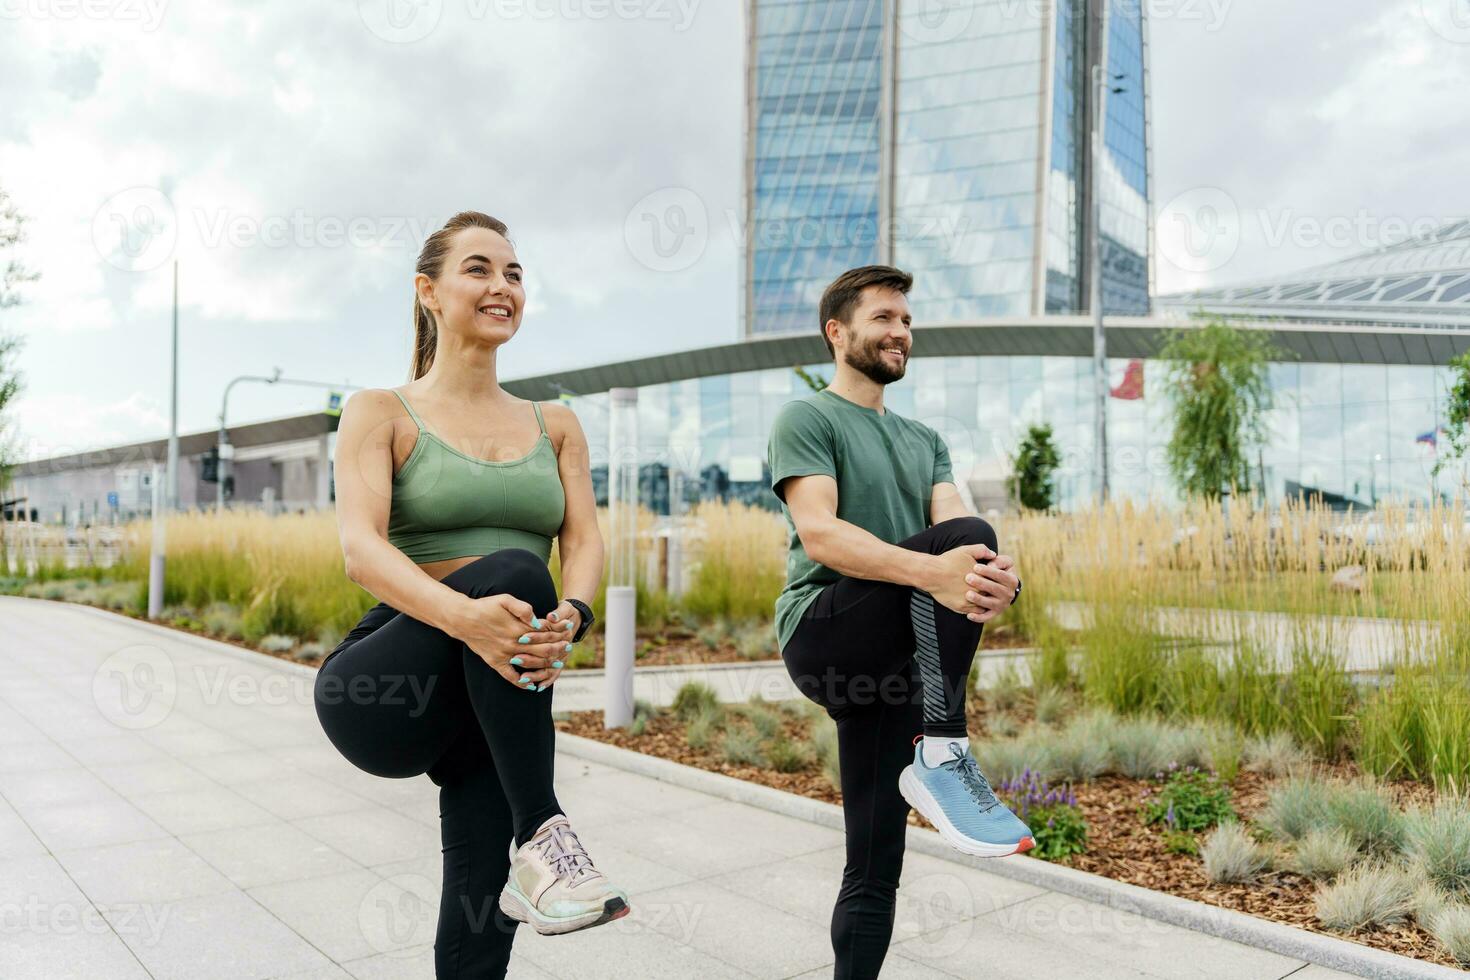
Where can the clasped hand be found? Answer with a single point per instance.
(974, 580)
(527, 651)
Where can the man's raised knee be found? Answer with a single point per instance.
(974, 530)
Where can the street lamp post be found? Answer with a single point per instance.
(227, 451)
(1094, 276)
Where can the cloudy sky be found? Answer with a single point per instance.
(292, 157)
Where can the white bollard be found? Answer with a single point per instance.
(620, 607)
(156, 556)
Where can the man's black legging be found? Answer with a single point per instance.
(401, 698)
(866, 651)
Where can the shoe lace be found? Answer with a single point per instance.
(565, 854)
(968, 770)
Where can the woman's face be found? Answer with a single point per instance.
(479, 293)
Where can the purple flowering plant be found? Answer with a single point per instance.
(1051, 812)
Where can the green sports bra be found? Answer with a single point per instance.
(449, 505)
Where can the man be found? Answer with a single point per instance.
(889, 582)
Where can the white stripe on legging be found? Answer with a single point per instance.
(926, 651)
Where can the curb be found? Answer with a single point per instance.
(1316, 948)
(179, 635)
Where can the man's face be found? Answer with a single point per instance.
(879, 339)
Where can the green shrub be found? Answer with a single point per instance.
(1230, 855)
(1052, 705)
(1324, 853)
(1051, 812)
(703, 727)
(1080, 752)
(1141, 748)
(1371, 820)
(1295, 808)
(765, 721)
(1190, 799)
(694, 699)
(742, 747)
(1005, 759)
(787, 755)
(1276, 754)
(1437, 841)
(1451, 926)
(1368, 894)
(276, 643)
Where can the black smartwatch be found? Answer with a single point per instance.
(1018, 591)
(585, 613)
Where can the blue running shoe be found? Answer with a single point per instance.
(957, 799)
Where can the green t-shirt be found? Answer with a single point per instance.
(885, 467)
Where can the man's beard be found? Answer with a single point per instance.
(871, 363)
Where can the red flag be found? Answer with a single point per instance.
(1131, 387)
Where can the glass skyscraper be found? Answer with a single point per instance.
(947, 138)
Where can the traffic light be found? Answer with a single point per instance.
(209, 466)
(230, 486)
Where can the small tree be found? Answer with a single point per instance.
(14, 275)
(1218, 383)
(1032, 468)
(813, 381)
(1457, 413)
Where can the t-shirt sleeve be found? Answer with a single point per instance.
(801, 443)
(943, 472)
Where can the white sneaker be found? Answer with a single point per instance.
(553, 886)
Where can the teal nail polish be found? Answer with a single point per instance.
(567, 647)
(526, 680)
(556, 664)
(516, 661)
(540, 688)
(524, 639)
(566, 624)
(535, 623)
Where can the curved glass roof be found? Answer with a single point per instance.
(1423, 281)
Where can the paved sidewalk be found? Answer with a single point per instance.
(169, 808)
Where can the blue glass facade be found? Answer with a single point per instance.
(966, 168)
(1349, 430)
(966, 150)
(815, 127)
(1123, 189)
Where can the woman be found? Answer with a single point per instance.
(448, 520)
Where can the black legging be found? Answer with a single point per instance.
(401, 698)
(855, 652)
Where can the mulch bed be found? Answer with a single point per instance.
(1119, 844)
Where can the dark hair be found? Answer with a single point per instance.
(840, 299)
(431, 263)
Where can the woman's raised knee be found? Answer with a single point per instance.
(517, 571)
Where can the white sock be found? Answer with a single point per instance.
(936, 748)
